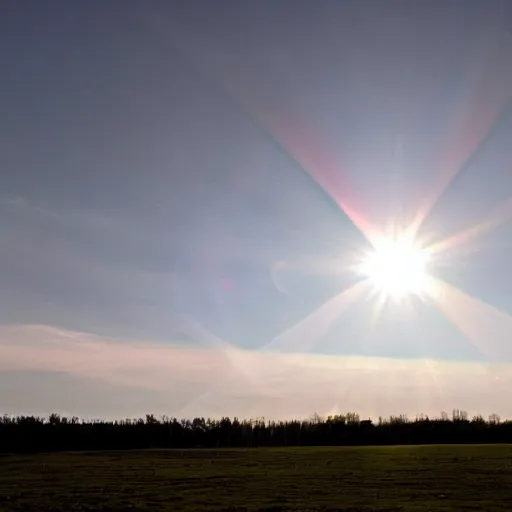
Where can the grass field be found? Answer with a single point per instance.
(436, 478)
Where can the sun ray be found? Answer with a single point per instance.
(307, 331)
(303, 335)
(239, 367)
(488, 99)
(287, 130)
(497, 216)
(337, 265)
(378, 306)
(487, 327)
(250, 94)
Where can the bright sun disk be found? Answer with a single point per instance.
(397, 268)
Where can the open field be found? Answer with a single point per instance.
(413, 478)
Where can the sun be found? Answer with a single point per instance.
(397, 268)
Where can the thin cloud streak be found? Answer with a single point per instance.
(279, 385)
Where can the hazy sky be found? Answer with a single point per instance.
(171, 176)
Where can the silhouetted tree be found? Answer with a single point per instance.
(33, 434)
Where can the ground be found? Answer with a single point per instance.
(421, 478)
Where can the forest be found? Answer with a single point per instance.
(30, 434)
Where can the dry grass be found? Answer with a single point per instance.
(439, 478)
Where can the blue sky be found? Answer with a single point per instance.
(170, 172)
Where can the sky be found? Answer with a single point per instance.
(185, 184)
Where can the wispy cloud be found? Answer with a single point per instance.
(207, 381)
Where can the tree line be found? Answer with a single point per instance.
(29, 434)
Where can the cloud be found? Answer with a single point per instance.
(217, 379)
